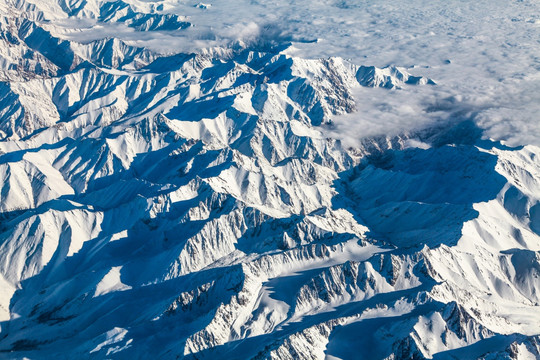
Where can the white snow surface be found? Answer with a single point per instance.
(269, 179)
(484, 54)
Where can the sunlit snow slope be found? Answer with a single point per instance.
(160, 203)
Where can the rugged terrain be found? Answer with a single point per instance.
(173, 204)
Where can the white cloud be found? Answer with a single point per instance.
(508, 113)
(386, 112)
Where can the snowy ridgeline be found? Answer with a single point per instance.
(198, 205)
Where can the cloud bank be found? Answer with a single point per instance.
(510, 114)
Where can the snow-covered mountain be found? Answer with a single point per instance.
(163, 203)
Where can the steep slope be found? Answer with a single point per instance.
(191, 205)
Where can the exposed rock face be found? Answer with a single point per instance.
(190, 205)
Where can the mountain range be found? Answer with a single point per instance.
(192, 205)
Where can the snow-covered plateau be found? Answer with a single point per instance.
(269, 179)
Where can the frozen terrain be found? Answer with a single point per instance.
(269, 180)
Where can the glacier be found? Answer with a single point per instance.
(242, 180)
